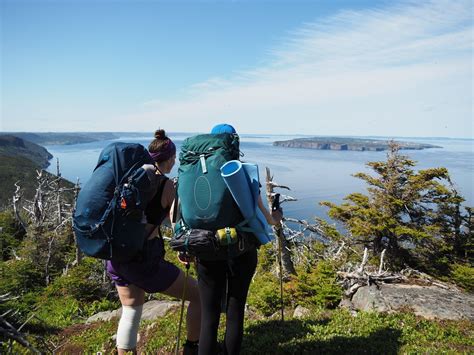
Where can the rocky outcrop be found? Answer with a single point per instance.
(426, 301)
(152, 310)
(104, 316)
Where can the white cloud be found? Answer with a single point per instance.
(369, 72)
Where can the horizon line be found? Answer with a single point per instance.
(240, 134)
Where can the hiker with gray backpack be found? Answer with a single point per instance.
(118, 216)
(211, 226)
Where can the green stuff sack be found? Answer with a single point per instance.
(206, 202)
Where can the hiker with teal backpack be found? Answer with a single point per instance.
(213, 228)
(152, 273)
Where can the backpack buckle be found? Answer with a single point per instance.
(202, 158)
(227, 236)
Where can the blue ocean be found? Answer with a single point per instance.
(312, 175)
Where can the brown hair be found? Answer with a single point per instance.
(159, 142)
(161, 148)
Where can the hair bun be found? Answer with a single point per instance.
(160, 134)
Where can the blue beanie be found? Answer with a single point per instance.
(223, 128)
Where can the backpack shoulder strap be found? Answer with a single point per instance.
(176, 210)
(154, 211)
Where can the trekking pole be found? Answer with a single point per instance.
(274, 204)
(182, 308)
(281, 276)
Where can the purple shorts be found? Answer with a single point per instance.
(153, 274)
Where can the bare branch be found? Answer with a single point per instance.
(381, 261)
(15, 255)
(286, 198)
(364, 261)
(311, 227)
(26, 321)
(338, 253)
(16, 200)
(274, 184)
(10, 332)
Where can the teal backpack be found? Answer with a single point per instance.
(206, 202)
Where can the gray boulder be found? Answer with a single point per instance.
(104, 316)
(151, 311)
(426, 301)
(301, 312)
(157, 309)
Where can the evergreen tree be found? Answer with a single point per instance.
(415, 215)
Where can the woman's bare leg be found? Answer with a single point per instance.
(132, 299)
(193, 316)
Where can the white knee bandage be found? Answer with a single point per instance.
(128, 327)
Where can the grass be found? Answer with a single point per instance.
(324, 332)
(338, 332)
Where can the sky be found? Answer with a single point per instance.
(356, 68)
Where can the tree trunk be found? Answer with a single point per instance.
(48, 260)
(58, 194)
(282, 244)
(78, 251)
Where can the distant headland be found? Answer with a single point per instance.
(13, 146)
(356, 144)
(66, 138)
(20, 160)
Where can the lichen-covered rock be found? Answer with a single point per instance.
(151, 311)
(426, 301)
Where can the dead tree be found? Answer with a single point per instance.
(48, 215)
(58, 194)
(78, 251)
(283, 245)
(16, 206)
(362, 275)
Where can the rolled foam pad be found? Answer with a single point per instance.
(242, 181)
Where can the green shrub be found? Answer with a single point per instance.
(75, 296)
(60, 311)
(19, 277)
(264, 294)
(82, 282)
(266, 258)
(316, 286)
(11, 234)
(463, 275)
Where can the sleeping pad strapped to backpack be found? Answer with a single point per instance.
(107, 220)
(206, 204)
